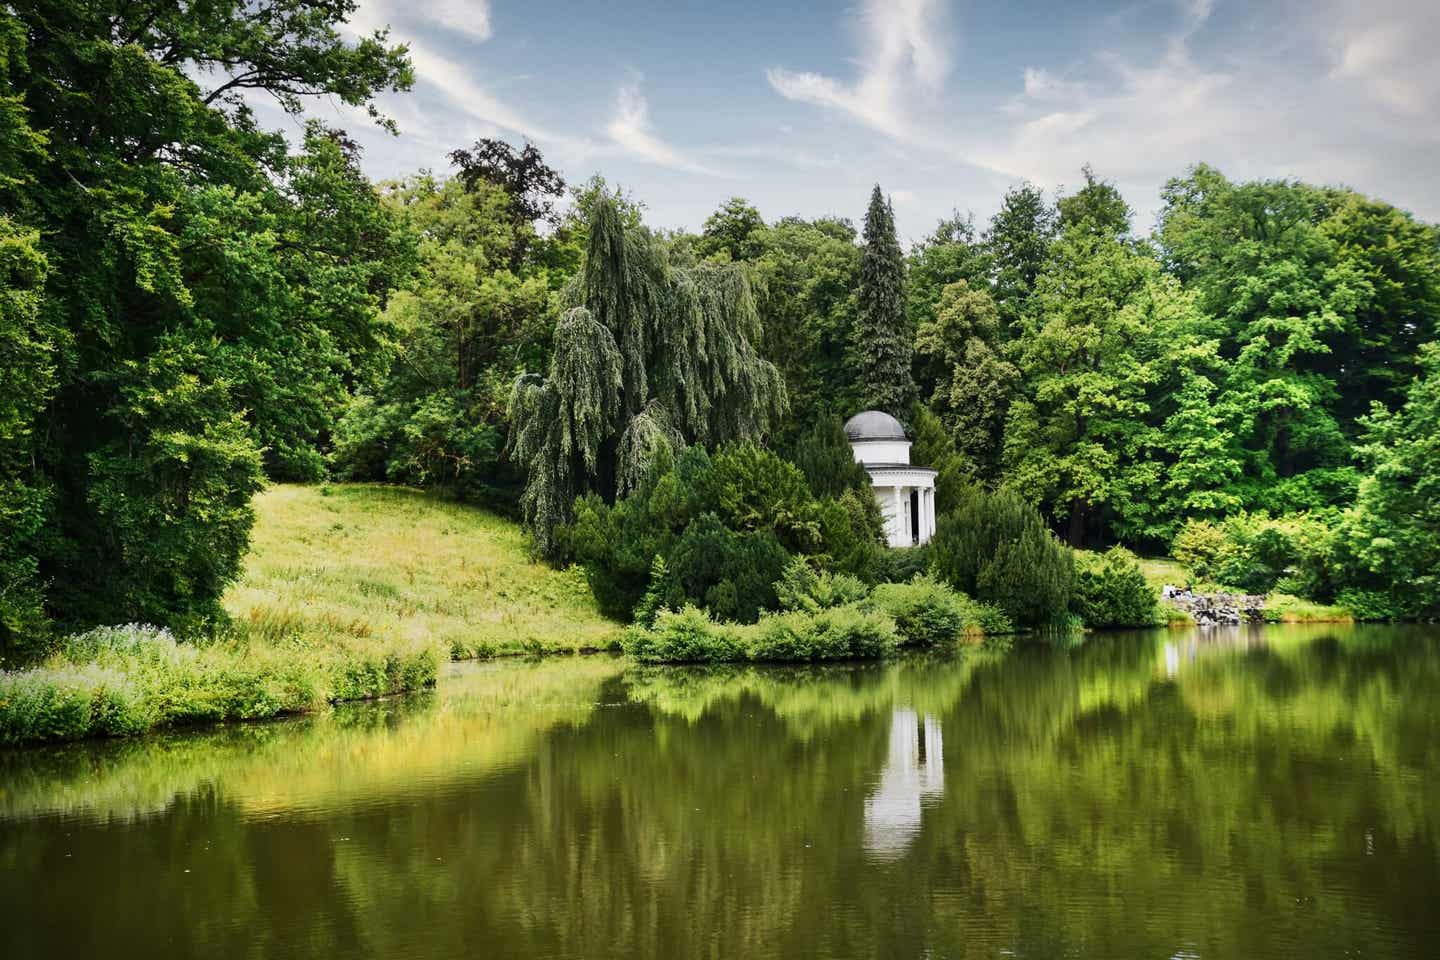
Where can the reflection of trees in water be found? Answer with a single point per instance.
(1081, 803)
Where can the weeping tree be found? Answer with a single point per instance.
(648, 359)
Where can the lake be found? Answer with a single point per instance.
(1251, 792)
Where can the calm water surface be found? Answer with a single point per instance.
(1255, 793)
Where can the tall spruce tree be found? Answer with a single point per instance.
(883, 342)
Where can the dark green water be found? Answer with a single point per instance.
(1249, 794)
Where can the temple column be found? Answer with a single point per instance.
(929, 512)
(899, 528)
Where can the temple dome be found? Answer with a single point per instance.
(873, 425)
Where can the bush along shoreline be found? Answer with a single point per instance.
(825, 616)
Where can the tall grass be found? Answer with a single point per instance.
(115, 681)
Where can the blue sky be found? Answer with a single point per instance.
(800, 107)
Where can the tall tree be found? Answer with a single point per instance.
(883, 341)
(736, 230)
(1018, 241)
(650, 358)
(974, 378)
(1324, 296)
(1393, 533)
(190, 262)
(531, 183)
(951, 254)
(1087, 356)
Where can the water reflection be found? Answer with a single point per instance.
(1146, 795)
(914, 771)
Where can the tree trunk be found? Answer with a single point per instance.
(1075, 531)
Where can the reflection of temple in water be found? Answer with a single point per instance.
(914, 770)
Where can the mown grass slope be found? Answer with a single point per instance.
(357, 560)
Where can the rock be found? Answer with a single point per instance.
(1215, 609)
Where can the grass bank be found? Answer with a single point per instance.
(349, 592)
(361, 561)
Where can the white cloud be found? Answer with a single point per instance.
(631, 131)
(470, 17)
(1392, 59)
(905, 56)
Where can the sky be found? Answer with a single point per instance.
(800, 107)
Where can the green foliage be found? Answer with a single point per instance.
(753, 489)
(630, 349)
(118, 681)
(1322, 297)
(26, 341)
(1018, 242)
(996, 547)
(210, 295)
(973, 379)
(833, 633)
(731, 574)
(1391, 538)
(883, 341)
(902, 564)
(825, 457)
(1111, 590)
(929, 613)
(687, 635)
(476, 311)
(1295, 554)
(932, 446)
(806, 283)
(802, 587)
(724, 527)
(733, 232)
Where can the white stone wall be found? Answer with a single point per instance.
(882, 451)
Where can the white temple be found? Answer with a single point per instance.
(906, 493)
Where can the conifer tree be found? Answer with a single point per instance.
(883, 343)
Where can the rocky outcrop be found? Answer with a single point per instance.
(1212, 609)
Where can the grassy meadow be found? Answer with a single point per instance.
(358, 561)
(349, 592)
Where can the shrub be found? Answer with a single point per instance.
(997, 548)
(851, 532)
(1252, 552)
(688, 635)
(802, 587)
(902, 564)
(1111, 590)
(732, 574)
(752, 489)
(836, 633)
(926, 611)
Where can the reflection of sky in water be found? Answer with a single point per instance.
(914, 770)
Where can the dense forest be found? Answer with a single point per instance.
(191, 304)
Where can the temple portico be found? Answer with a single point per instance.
(905, 493)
